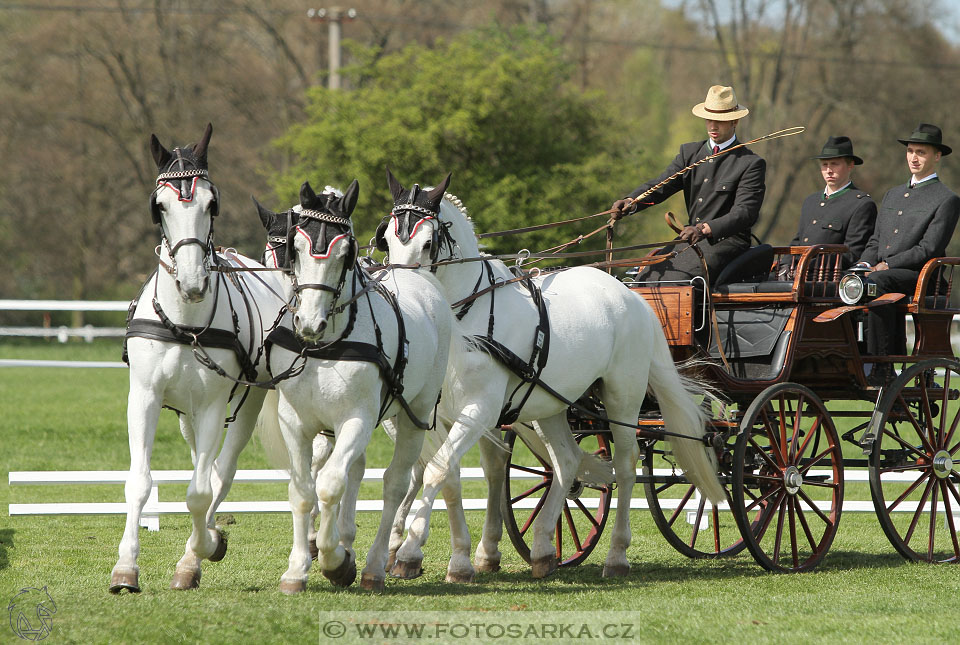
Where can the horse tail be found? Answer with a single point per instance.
(268, 432)
(682, 415)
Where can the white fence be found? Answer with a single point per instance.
(154, 508)
(63, 333)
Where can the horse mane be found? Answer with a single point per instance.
(457, 203)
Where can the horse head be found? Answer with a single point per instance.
(413, 233)
(322, 252)
(184, 204)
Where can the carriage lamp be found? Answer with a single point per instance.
(853, 287)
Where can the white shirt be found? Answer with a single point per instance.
(827, 192)
(914, 181)
(723, 145)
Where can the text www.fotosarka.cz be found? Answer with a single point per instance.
(479, 626)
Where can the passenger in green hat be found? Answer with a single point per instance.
(915, 224)
(841, 213)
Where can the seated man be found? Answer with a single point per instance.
(915, 223)
(840, 213)
(723, 195)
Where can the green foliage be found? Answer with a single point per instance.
(496, 107)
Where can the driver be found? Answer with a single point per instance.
(723, 195)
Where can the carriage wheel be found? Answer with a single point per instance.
(915, 463)
(788, 461)
(527, 481)
(692, 525)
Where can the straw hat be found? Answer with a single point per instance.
(721, 105)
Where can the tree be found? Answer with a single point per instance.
(497, 107)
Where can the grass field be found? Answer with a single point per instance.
(60, 419)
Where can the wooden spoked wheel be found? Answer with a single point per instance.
(690, 523)
(788, 462)
(915, 462)
(527, 481)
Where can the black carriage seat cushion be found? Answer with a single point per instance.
(752, 266)
(749, 333)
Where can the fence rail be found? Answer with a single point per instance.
(154, 508)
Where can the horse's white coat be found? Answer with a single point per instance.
(345, 396)
(167, 373)
(599, 330)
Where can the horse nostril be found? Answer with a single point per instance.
(296, 321)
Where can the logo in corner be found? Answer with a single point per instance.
(31, 613)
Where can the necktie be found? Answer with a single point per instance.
(716, 149)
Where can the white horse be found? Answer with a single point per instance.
(599, 335)
(193, 334)
(380, 352)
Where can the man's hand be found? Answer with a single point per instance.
(881, 266)
(623, 207)
(693, 234)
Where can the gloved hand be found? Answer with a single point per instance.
(623, 207)
(691, 234)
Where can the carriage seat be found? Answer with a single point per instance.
(752, 266)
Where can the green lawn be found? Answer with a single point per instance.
(61, 419)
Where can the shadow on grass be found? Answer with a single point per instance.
(6, 542)
(839, 560)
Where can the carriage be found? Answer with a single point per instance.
(786, 351)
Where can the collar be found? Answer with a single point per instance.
(842, 189)
(914, 182)
(722, 146)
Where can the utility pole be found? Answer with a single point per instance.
(333, 16)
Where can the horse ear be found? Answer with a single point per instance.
(436, 194)
(200, 149)
(349, 200)
(266, 216)
(307, 196)
(396, 188)
(160, 154)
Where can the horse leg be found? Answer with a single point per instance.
(493, 457)
(400, 518)
(396, 481)
(619, 401)
(336, 563)
(322, 447)
(143, 411)
(565, 456)
(459, 569)
(225, 466)
(302, 501)
(203, 541)
(463, 434)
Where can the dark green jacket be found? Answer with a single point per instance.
(847, 217)
(914, 225)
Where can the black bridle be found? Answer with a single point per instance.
(177, 171)
(407, 217)
(325, 219)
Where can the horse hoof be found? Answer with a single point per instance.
(407, 570)
(291, 587)
(460, 577)
(543, 567)
(486, 566)
(372, 583)
(125, 580)
(184, 580)
(221, 549)
(616, 570)
(345, 574)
